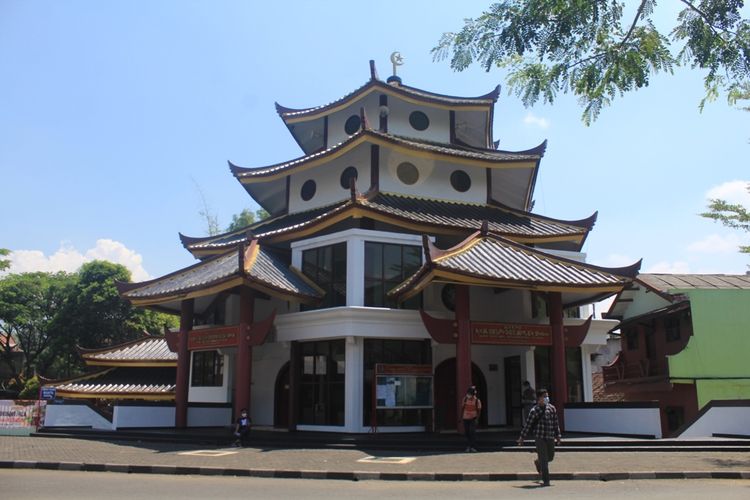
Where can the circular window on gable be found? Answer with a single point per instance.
(352, 124)
(419, 120)
(448, 296)
(308, 190)
(407, 173)
(460, 181)
(347, 175)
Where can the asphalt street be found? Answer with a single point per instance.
(66, 485)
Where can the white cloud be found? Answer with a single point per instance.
(676, 267)
(69, 259)
(716, 244)
(732, 192)
(532, 119)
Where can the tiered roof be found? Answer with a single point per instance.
(254, 266)
(423, 214)
(140, 369)
(491, 260)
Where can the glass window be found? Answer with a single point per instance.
(352, 124)
(387, 265)
(408, 352)
(326, 266)
(208, 369)
(322, 383)
(460, 181)
(672, 328)
(418, 120)
(347, 175)
(407, 173)
(631, 339)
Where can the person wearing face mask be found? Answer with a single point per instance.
(242, 428)
(543, 424)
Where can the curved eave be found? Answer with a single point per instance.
(139, 363)
(404, 92)
(433, 271)
(87, 352)
(438, 275)
(248, 175)
(146, 396)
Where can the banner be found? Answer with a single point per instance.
(17, 414)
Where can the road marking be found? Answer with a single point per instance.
(207, 453)
(387, 460)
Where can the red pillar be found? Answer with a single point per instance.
(463, 349)
(244, 362)
(183, 364)
(559, 388)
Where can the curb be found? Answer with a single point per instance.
(367, 475)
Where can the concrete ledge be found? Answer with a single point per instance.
(369, 475)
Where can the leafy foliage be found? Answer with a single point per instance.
(245, 218)
(29, 305)
(49, 315)
(589, 49)
(731, 215)
(4, 263)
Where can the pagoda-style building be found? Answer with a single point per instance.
(400, 264)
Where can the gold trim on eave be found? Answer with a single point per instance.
(324, 110)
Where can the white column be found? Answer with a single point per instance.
(529, 372)
(355, 272)
(354, 379)
(588, 389)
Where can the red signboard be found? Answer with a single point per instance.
(213, 338)
(510, 334)
(393, 369)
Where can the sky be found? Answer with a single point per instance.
(117, 120)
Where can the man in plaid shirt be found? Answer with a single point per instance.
(543, 424)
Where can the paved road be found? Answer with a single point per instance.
(13, 448)
(59, 485)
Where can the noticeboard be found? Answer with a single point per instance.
(411, 389)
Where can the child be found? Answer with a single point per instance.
(242, 428)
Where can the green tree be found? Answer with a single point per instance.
(4, 263)
(594, 51)
(731, 215)
(245, 218)
(29, 305)
(94, 315)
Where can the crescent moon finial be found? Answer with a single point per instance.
(397, 59)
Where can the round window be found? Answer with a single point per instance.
(308, 190)
(419, 120)
(448, 296)
(352, 124)
(347, 175)
(407, 173)
(460, 181)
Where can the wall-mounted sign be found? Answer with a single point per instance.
(213, 338)
(48, 393)
(510, 334)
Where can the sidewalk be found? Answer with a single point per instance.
(170, 458)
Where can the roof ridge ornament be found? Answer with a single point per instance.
(397, 60)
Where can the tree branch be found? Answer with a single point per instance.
(635, 22)
(706, 19)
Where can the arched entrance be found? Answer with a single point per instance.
(281, 398)
(445, 394)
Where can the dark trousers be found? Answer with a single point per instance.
(545, 452)
(242, 435)
(470, 429)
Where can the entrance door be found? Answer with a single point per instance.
(513, 404)
(281, 399)
(321, 391)
(445, 394)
